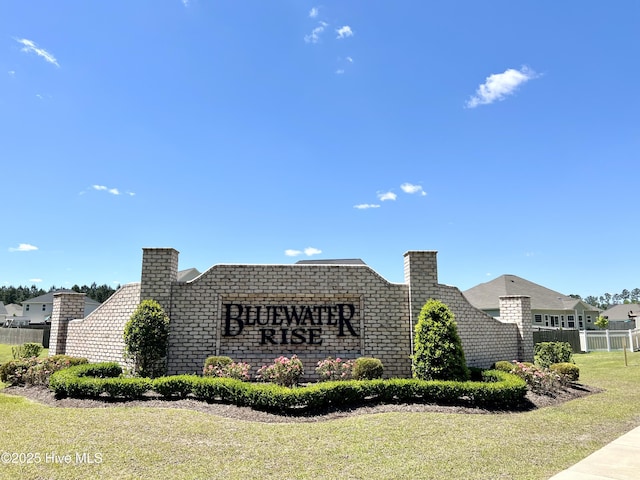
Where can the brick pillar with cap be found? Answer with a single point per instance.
(67, 306)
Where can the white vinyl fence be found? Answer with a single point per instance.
(608, 340)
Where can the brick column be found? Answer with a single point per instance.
(421, 274)
(159, 272)
(67, 306)
(517, 309)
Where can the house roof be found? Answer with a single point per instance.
(188, 274)
(3, 310)
(329, 261)
(48, 298)
(622, 312)
(13, 310)
(486, 295)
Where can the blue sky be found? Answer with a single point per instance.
(504, 135)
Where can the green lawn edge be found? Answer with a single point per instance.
(140, 442)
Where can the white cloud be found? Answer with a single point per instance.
(349, 59)
(410, 188)
(314, 36)
(387, 196)
(23, 247)
(307, 251)
(185, 3)
(112, 191)
(339, 71)
(364, 206)
(35, 280)
(313, 13)
(31, 47)
(12, 73)
(344, 32)
(499, 85)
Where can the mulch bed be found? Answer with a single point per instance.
(44, 396)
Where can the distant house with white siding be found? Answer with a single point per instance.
(548, 307)
(38, 309)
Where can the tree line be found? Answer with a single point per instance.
(20, 294)
(608, 300)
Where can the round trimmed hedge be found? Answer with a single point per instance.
(497, 390)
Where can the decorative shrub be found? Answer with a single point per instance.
(547, 353)
(367, 368)
(216, 361)
(539, 380)
(126, 387)
(284, 371)
(504, 366)
(569, 370)
(14, 372)
(94, 379)
(334, 369)
(146, 337)
(438, 353)
(237, 370)
(175, 385)
(26, 350)
(36, 371)
(498, 390)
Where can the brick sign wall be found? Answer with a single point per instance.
(254, 313)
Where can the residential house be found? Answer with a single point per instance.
(13, 310)
(11, 316)
(38, 310)
(548, 307)
(623, 317)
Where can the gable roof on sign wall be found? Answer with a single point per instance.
(486, 296)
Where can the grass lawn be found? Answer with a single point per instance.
(6, 355)
(170, 443)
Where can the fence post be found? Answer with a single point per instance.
(608, 340)
(584, 341)
(630, 340)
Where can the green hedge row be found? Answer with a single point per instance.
(498, 390)
(94, 379)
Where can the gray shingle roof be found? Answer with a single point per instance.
(188, 274)
(338, 261)
(48, 298)
(622, 312)
(486, 295)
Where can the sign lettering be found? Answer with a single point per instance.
(289, 324)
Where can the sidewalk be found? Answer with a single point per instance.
(619, 460)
